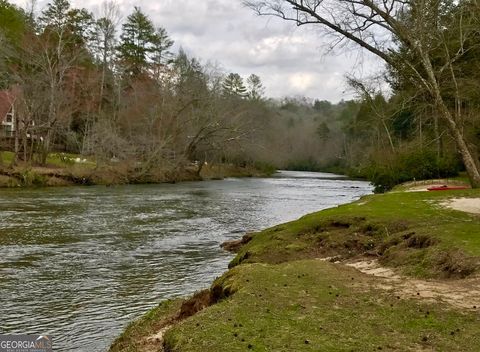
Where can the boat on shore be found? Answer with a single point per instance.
(446, 188)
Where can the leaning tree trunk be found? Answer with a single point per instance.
(467, 156)
(457, 132)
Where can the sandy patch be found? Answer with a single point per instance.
(155, 342)
(463, 294)
(468, 205)
(422, 186)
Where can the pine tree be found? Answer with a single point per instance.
(255, 88)
(137, 45)
(161, 47)
(233, 86)
(55, 16)
(73, 25)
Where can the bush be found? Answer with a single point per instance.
(408, 165)
(32, 179)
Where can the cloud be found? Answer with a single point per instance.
(290, 60)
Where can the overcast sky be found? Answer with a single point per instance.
(290, 60)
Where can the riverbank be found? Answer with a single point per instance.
(398, 271)
(63, 174)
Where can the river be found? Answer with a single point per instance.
(80, 263)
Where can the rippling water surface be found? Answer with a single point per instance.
(80, 263)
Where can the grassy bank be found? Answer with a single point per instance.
(278, 295)
(69, 169)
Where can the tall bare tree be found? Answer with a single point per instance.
(417, 27)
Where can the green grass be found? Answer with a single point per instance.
(68, 159)
(6, 157)
(133, 339)
(374, 221)
(317, 306)
(284, 299)
(61, 160)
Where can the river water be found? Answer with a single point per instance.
(80, 263)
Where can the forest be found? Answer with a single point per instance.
(115, 90)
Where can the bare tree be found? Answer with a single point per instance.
(384, 26)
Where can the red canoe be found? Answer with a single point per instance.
(446, 188)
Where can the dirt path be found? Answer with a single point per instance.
(469, 205)
(463, 294)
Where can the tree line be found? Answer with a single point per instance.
(430, 49)
(95, 85)
(117, 90)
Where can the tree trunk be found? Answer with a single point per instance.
(456, 130)
(464, 150)
(16, 147)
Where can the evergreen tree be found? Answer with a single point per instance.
(55, 16)
(233, 86)
(13, 25)
(191, 80)
(137, 44)
(75, 26)
(81, 26)
(161, 47)
(13, 22)
(255, 88)
(323, 106)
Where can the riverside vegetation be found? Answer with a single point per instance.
(103, 88)
(280, 296)
(68, 169)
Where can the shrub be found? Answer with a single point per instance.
(408, 165)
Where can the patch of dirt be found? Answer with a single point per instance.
(154, 343)
(199, 301)
(464, 294)
(422, 186)
(234, 246)
(468, 205)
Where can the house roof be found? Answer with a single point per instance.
(7, 98)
